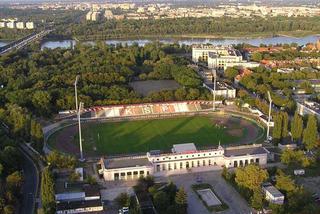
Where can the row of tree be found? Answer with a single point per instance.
(183, 26)
(248, 181)
(41, 81)
(10, 176)
(307, 133)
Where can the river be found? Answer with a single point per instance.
(141, 42)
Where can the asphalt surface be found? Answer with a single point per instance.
(237, 205)
(29, 186)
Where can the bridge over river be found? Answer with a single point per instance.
(21, 43)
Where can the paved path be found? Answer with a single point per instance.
(237, 205)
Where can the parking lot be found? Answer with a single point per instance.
(237, 205)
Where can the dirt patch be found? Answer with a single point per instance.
(146, 87)
(64, 140)
(235, 132)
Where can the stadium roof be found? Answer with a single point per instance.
(126, 162)
(245, 151)
(185, 147)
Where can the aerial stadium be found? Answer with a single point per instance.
(136, 129)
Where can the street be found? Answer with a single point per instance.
(29, 186)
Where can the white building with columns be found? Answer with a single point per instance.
(183, 159)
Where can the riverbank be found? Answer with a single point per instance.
(234, 35)
(284, 39)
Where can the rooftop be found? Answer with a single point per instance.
(244, 151)
(126, 162)
(181, 148)
(78, 204)
(273, 191)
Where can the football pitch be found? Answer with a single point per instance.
(159, 134)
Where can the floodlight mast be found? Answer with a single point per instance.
(80, 137)
(214, 74)
(269, 118)
(76, 91)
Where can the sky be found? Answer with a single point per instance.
(171, 1)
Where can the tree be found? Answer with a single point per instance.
(284, 132)
(256, 56)
(123, 200)
(296, 127)
(231, 73)
(251, 176)
(47, 191)
(55, 159)
(257, 199)
(9, 209)
(14, 181)
(1, 169)
(310, 133)
(295, 158)
(284, 182)
(277, 129)
(74, 176)
(41, 101)
(161, 201)
(181, 201)
(171, 190)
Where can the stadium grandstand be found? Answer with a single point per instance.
(113, 111)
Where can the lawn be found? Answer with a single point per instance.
(145, 135)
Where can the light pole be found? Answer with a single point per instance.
(214, 74)
(76, 92)
(269, 118)
(80, 137)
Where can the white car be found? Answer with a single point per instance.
(124, 210)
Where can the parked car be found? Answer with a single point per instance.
(124, 210)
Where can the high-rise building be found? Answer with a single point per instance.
(88, 16)
(95, 16)
(3, 24)
(20, 25)
(108, 14)
(30, 25)
(11, 25)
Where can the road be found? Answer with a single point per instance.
(30, 185)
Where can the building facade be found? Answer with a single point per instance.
(182, 159)
(30, 25)
(219, 61)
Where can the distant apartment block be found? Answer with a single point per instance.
(108, 14)
(93, 16)
(11, 25)
(30, 25)
(21, 25)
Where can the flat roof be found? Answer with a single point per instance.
(70, 205)
(125, 162)
(185, 147)
(273, 191)
(244, 151)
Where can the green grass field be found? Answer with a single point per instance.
(146, 135)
